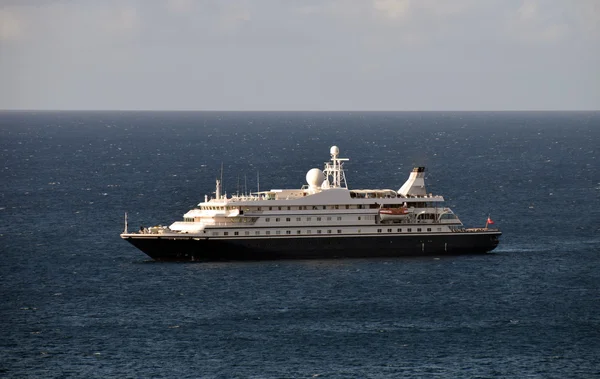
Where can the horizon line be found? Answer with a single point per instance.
(297, 110)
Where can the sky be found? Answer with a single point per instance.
(397, 55)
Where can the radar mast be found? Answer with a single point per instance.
(335, 171)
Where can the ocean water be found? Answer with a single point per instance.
(78, 302)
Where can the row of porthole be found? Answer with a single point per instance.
(329, 231)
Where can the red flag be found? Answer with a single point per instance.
(489, 220)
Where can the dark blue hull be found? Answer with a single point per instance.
(188, 248)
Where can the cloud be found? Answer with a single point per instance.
(394, 9)
(11, 27)
(535, 22)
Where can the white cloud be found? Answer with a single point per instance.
(394, 9)
(11, 27)
(528, 10)
(588, 16)
(540, 22)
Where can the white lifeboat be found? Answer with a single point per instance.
(393, 213)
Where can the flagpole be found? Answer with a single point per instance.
(487, 221)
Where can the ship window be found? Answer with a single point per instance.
(247, 233)
(267, 219)
(288, 232)
(279, 208)
(329, 231)
(347, 207)
(339, 218)
(358, 218)
(225, 233)
(318, 218)
(418, 229)
(270, 208)
(236, 233)
(324, 207)
(257, 233)
(308, 231)
(399, 230)
(287, 219)
(339, 231)
(277, 219)
(409, 230)
(289, 208)
(429, 229)
(259, 208)
(447, 216)
(389, 230)
(378, 230)
(439, 229)
(278, 232)
(298, 232)
(268, 232)
(318, 232)
(298, 219)
(314, 207)
(215, 233)
(337, 207)
(308, 218)
(328, 218)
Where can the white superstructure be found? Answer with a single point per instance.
(324, 205)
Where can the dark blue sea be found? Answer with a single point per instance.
(79, 302)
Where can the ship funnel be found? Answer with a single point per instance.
(415, 185)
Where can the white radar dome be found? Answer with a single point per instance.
(334, 150)
(315, 177)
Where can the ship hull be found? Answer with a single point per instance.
(189, 248)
